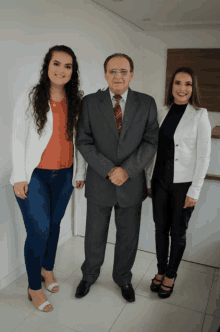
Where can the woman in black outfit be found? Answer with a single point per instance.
(178, 171)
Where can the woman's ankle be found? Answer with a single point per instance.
(170, 276)
(34, 290)
(160, 275)
(44, 270)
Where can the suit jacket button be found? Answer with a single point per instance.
(177, 144)
(176, 159)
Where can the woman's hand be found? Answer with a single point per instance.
(149, 193)
(189, 202)
(21, 189)
(79, 184)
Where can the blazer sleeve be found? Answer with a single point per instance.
(142, 157)
(86, 145)
(203, 155)
(21, 120)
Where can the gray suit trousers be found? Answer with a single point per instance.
(127, 220)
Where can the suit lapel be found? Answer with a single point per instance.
(107, 109)
(130, 110)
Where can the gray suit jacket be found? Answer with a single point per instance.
(103, 148)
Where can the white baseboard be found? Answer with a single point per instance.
(22, 269)
(63, 238)
(12, 276)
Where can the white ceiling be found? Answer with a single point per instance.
(156, 15)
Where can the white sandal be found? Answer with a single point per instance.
(51, 286)
(41, 306)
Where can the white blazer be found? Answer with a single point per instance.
(192, 148)
(28, 147)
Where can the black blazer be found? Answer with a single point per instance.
(103, 148)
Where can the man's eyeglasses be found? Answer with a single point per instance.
(114, 72)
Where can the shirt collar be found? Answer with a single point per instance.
(124, 96)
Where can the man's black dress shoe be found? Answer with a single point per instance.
(82, 289)
(128, 292)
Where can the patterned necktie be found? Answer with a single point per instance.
(118, 114)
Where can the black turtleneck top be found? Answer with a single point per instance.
(166, 142)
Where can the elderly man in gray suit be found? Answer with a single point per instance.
(118, 138)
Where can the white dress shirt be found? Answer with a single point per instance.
(122, 101)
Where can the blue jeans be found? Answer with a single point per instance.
(49, 192)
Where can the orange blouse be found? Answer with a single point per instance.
(59, 151)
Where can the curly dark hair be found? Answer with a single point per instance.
(40, 94)
(195, 98)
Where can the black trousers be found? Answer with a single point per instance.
(127, 222)
(170, 218)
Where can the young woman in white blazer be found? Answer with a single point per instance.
(46, 163)
(177, 173)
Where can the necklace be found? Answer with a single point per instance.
(54, 102)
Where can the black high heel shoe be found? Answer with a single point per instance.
(163, 293)
(154, 287)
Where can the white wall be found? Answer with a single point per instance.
(27, 30)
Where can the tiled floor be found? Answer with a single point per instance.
(193, 306)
